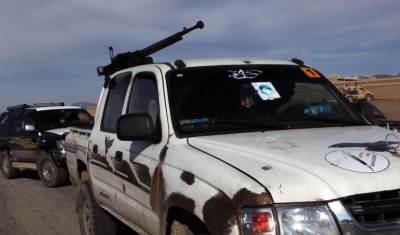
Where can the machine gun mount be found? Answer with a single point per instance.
(139, 57)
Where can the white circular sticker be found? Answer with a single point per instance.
(358, 161)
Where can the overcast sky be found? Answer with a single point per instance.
(50, 49)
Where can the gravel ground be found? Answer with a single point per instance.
(27, 207)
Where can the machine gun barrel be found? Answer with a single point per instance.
(130, 59)
(168, 41)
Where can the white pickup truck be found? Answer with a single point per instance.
(232, 146)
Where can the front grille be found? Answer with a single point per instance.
(376, 208)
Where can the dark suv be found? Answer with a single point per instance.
(375, 116)
(32, 137)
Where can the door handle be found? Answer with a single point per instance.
(95, 148)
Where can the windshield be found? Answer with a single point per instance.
(226, 99)
(60, 118)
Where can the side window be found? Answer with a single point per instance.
(115, 100)
(17, 124)
(144, 97)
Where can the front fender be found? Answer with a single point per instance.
(205, 186)
(184, 190)
(58, 155)
(45, 145)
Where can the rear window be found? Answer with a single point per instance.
(59, 118)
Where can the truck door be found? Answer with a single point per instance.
(136, 161)
(104, 138)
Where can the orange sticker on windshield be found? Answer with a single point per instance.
(310, 72)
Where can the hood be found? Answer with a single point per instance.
(58, 131)
(312, 164)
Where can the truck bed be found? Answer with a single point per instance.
(76, 146)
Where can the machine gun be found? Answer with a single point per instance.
(139, 57)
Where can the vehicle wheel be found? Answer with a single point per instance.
(350, 99)
(180, 229)
(92, 219)
(50, 174)
(6, 169)
(84, 176)
(368, 98)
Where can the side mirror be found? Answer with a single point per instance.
(366, 109)
(29, 128)
(136, 126)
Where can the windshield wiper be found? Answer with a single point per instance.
(333, 120)
(241, 123)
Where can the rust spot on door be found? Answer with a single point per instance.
(154, 191)
(163, 153)
(187, 177)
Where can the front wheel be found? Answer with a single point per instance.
(92, 219)
(6, 168)
(50, 174)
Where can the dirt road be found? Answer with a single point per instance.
(27, 207)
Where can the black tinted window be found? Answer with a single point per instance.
(229, 99)
(59, 118)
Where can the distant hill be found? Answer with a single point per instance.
(83, 104)
(378, 76)
(384, 76)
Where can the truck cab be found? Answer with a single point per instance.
(231, 146)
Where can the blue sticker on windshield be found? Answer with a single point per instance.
(266, 90)
(245, 74)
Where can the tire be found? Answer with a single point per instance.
(180, 229)
(350, 98)
(92, 219)
(181, 222)
(368, 98)
(50, 174)
(5, 164)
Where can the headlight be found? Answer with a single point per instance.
(60, 144)
(304, 220)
